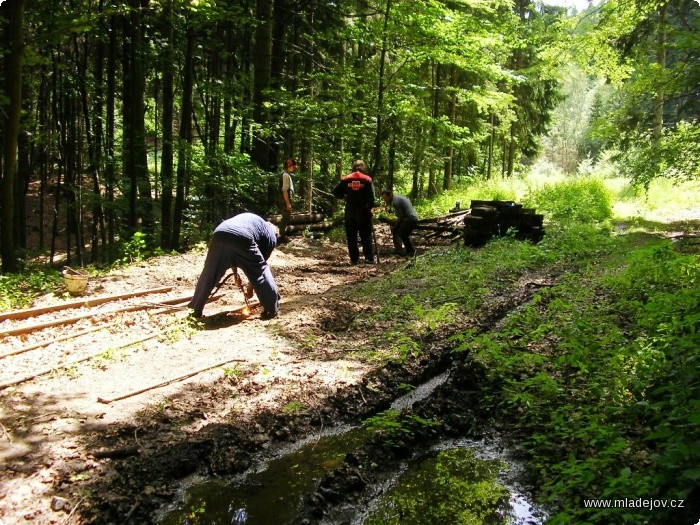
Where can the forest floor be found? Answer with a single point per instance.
(65, 449)
(116, 417)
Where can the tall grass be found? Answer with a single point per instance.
(600, 184)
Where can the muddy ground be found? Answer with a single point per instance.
(109, 438)
(111, 421)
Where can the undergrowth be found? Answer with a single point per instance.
(602, 373)
(597, 376)
(19, 290)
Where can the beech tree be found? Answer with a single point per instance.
(649, 52)
(162, 117)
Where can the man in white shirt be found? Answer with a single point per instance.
(287, 191)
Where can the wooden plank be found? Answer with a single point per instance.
(299, 218)
(165, 310)
(68, 364)
(72, 320)
(31, 312)
(53, 340)
(453, 215)
(107, 401)
(317, 226)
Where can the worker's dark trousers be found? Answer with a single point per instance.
(229, 251)
(402, 235)
(359, 222)
(286, 218)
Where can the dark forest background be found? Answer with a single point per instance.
(163, 117)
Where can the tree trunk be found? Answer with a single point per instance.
(512, 144)
(450, 150)
(167, 156)
(661, 60)
(110, 171)
(378, 166)
(93, 131)
(262, 63)
(185, 142)
(492, 140)
(432, 185)
(14, 13)
(135, 154)
(282, 20)
(418, 155)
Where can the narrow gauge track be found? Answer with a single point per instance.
(40, 341)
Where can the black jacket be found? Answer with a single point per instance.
(357, 190)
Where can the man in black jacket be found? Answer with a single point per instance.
(358, 192)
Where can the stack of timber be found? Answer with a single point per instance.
(305, 221)
(448, 226)
(489, 219)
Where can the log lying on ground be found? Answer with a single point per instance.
(445, 218)
(107, 401)
(314, 227)
(72, 320)
(447, 226)
(54, 340)
(87, 302)
(68, 364)
(299, 218)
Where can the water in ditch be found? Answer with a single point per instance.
(457, 482)
(270, 494)
(463, 482)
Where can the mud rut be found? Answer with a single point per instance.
(99, 467)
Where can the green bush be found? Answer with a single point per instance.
(583, 200)
(602, 373)
(19, 290)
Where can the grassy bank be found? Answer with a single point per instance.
(598, 376)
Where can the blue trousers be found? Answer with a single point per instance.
(232, 251)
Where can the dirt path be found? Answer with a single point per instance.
(67, 458)
(58, 442)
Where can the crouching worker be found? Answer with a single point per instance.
(406, 222)
(244, 241)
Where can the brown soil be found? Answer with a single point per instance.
(67, 457)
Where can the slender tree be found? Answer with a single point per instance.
(12, 12)
(167, 155)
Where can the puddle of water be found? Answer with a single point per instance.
(420, 392)
(451, 487)
(465, 481)
(462, 482)
(270, 495)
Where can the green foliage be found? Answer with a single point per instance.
(583, 200)
(138, 248)
(601, 371)
(233, 372)
(396, 428)
(644, 50)
(674, 155)
(184, 327)
(493, 189)
(293, 407)
(135, 249)
(453, 487)
(19, 290)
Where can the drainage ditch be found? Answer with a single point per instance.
(329, 479)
